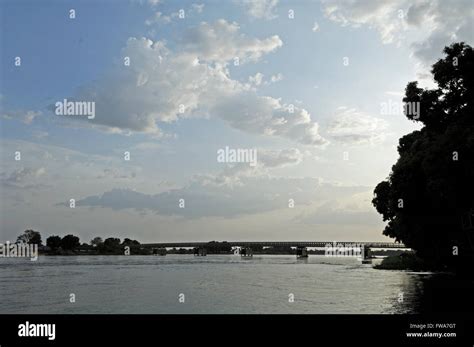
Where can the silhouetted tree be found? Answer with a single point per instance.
(111, 245)
(30, 236)
(70, 242)
(128, 242)
(96, 241)
(53, 242)
(431, 187)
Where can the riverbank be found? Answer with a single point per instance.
(405, 261)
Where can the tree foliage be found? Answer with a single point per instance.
(53, 242)
(431, 186)
(70, 242)
(30, 236)
(96, 241)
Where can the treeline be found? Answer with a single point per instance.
(70, 244)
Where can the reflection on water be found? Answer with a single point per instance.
(212, 284)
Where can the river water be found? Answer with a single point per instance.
(212, 284)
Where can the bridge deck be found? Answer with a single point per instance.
(315, 244)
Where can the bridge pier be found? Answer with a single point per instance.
(159, 251)
(366, 255)
(301, 252)
(246, 252)
(200, 251)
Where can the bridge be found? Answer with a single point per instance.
(308, 244)
(245, 247)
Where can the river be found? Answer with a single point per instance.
(212, 284)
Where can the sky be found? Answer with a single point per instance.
(315, 88)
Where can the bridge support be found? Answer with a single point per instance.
(366, 255)
(159, 251)
(246, 252)
(200, 251)
(301, 252)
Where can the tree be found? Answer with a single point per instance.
(53, 242)
(111, 245)
(128, 242)
(430, 188)
(96, 241)
(70, 242)
(30, 236)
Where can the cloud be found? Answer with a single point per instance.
(25, 173)
(353, 127)
(221, 41)
(280, 158)
(435, 23)
(256, 79)
(206, 196)
(213, 196)
(381, 15)
(114, 174)
(26, 117)
(315, 27)
(158, 18)
(267, 160)
(447, 22)
(261, 9)
(276, 78)
(193, 80)
(255, 114)
(197, 7)
(71, 172)
(24, 178)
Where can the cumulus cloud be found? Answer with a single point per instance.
(280, 158)
(221, 41)
(381, 15)
(158, 18)
(447, 22)
(267, 160)
(164, 85)
(269, 116)
(259, 79)
(256, 79)
(352, 126)
(261, 9)
(436, 23)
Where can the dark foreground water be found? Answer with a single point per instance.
(212, 284)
